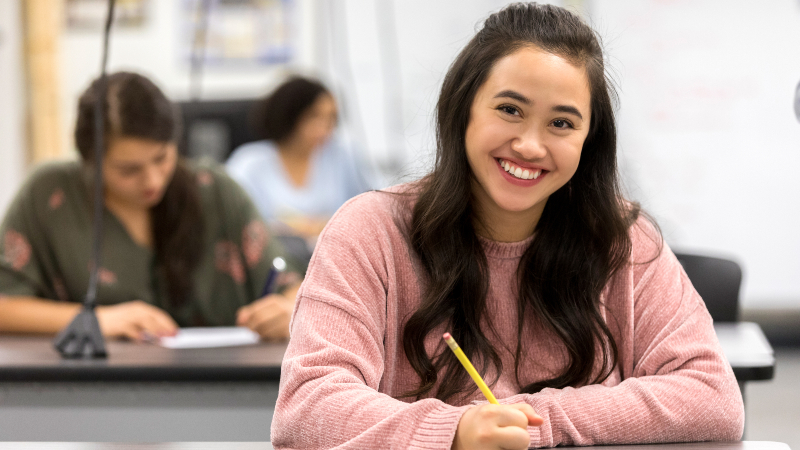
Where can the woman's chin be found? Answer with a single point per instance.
(149, 201)
(517, 206)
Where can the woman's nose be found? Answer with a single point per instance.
(154, 178)
(529, 145)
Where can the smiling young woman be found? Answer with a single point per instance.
(520, 244)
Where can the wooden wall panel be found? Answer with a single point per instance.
(43, 22)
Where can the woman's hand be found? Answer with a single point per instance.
(269, 316)
(135, 320)
(496, 427)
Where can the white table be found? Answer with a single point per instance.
(747, 349)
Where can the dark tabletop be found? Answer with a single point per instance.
(33, 358)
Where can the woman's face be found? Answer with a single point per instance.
(316, 124)
(527, 126)
(137, 171)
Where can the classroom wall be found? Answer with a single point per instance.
(154, 50)
(12, 102)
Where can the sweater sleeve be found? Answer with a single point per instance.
(24, 256)
(332, 370)
(678, 387)
(254, 240)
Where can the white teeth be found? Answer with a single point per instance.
(518, 172)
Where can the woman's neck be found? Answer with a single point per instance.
(135, 219)
(510, 230)
(497, 224)
(296, 160)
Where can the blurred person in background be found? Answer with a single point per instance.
(300, 173)
(183, 245)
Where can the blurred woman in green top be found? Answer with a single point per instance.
(183, 245)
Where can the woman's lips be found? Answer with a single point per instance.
(518, 175)
(150, 195)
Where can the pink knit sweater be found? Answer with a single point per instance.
(345, 360)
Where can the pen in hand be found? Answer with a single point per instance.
(268, 315)
(278, 266)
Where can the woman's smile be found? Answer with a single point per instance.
(520, 174)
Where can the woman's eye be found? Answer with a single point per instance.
(509, 110)
(562, 124)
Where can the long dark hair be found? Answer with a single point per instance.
(581, 237)
(135, 107)
(276, 116)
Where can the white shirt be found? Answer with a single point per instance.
(334, 177)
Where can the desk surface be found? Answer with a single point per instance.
(747, 349)
(744, 445)
(33, 358)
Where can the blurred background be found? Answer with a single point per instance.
(708, 139)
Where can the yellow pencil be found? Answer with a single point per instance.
(470, 369)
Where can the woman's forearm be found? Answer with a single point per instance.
(19, 314)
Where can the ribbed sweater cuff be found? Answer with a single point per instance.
(541, 436)
(536, 438)
(438, 429)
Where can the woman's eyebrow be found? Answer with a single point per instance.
(125, 164)
(568, 110)
(514, 95)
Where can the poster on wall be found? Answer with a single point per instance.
(91, 14)
(236, 33)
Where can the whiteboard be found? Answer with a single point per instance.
(709, 143)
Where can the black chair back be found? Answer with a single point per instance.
(215, 128)
(717, 281)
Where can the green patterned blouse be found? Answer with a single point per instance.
(45, 247)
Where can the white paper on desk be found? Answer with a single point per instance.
(207, 337)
